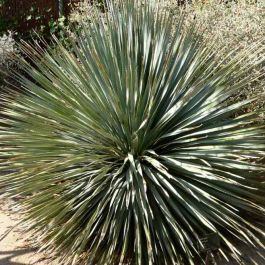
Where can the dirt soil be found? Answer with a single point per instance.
(15, 247)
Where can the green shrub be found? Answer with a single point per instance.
(126, 149)
(235, 25)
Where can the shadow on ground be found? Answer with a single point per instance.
(7, 256)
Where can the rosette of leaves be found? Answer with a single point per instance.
(125, 148)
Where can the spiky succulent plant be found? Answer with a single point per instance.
(125, 147)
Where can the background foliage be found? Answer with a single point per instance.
(7, 48)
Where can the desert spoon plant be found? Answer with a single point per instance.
(125, 148)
